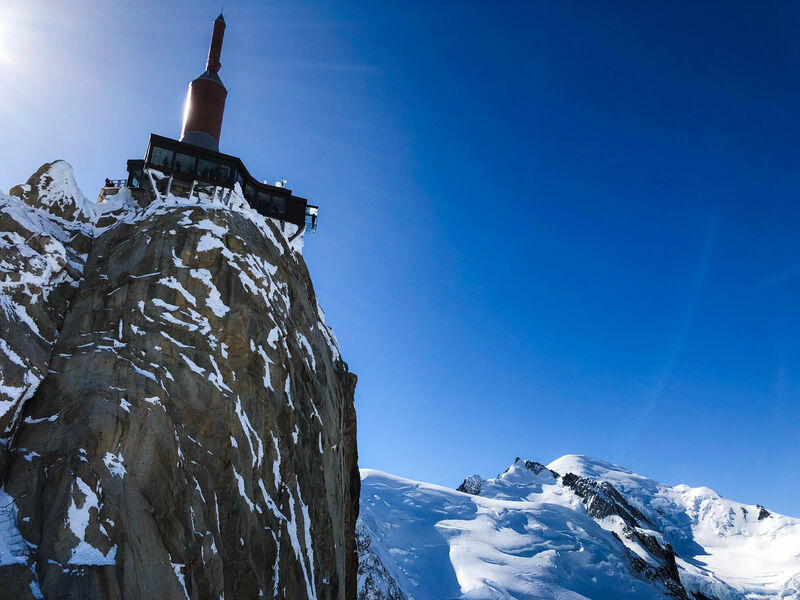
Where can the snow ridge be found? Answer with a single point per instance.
(578, 528)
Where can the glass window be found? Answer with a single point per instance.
(263, 203)
(184, 163)
(279, 204)
(223, 173)
(161, 157)
(249, 192)
(240, 179)
(206, 169)
(135, 178)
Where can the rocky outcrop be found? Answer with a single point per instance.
(374, 581)
(602, 500)
(535, 467)
(189, 427)
(471, 485)
(41, 260)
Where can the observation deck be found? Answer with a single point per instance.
(191, 165)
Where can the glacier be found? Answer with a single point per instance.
(578, 528)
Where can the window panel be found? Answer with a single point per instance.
(223, 173)
(263, 202)
(184, 163)
(206, 169)
(161, 157)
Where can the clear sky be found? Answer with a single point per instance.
(545, 228)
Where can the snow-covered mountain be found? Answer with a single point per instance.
(578, 528)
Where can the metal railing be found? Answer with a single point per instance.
(312, 212)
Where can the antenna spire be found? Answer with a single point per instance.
(215, 50)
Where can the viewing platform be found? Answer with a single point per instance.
(195, 163)
(188, 166)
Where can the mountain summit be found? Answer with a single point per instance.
(176, 418)
(578, 528)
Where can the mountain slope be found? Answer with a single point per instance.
(188, 427)
(578, 528)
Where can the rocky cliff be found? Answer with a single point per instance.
(177, 420)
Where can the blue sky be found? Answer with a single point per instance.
(545, 228)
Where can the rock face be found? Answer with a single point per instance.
(41, 261)
(470, 485)
(374, 581)
(602, 500)
(187, 426)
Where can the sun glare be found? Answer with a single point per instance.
(4, 55)
(12, 28)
